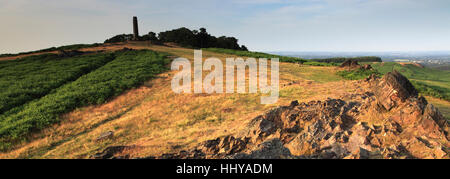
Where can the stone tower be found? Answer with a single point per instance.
(135, 29)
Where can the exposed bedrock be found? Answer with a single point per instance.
(390, 120)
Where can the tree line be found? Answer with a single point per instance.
(185, 37)
(343, 59)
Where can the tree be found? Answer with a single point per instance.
(185, 37)
(152, 36)
(119, 38)
(203, 38)
(182, 36)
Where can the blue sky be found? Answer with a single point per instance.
(261, 25)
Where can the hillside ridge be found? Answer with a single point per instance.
(150, 119)
(409, 127)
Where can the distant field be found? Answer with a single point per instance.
(125, 70)
(312, 62)
(255, 55)
(343, 59)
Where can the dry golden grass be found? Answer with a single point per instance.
(155, 120)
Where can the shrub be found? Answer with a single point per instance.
(357, 74)
(119, 38)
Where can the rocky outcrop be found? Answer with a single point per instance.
(105, 135)
(388, 121)
(111, 152)
(353, 64)
(350, 64)
(394, 88)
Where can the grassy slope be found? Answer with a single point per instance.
(32, 77)
(255, 55)
(154, 119)
(127, 70)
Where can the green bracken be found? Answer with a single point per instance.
(127, 70)
(357, 74)
(32, 77)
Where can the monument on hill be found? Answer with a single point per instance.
(135, 29)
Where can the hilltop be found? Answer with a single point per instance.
(389, 120)
(144, 118)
